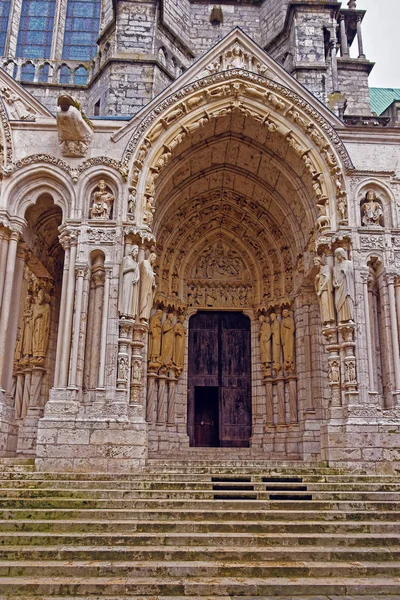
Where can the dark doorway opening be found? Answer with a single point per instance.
(219, 384)
(206, 416)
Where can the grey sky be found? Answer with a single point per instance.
(380, 35)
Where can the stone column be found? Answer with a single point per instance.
(347, 347)
(333, 47)
(280, 385)
(293, 411)
(7, 298)
(162, 390)
(330, 333)
(343, 38)
(269, 402)
(64, 241)
(151, 396)
(3, 258)
(394, 332)
(360, 40)
(66, 324)
(172, 380)
(98, 277)
(368, 331)
(80, 272)
(124, 341)
(14, 317)
(397, 293)
(104, 324)
(139, 332)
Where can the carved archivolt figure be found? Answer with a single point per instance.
(287, 336)
(147, 287)
(167, 345)
(179, 346)
(41, 326)
(276, 342)
(74, 128)
(372, 213)
(129, 288)
(343, 281)
(155, 337)
(102, 202)
(265, 339)
(324, 289)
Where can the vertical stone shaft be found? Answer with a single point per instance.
(13, 317)
(394, 331)
(343, 38)
(151, 397)
(171, 400)
(368, 335)
(77, 326)
(360, 40)
(103, 339)
(161, 399)
(281, 402)
(67, 324)
(61, 316)
(3, 259)
(98, 278)
(7, 297)
(269, 402)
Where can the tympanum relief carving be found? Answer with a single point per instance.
(219, 278)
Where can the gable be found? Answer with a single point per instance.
(18, 103)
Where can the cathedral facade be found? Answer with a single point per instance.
(199, 235)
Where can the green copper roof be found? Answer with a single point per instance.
(382, 98)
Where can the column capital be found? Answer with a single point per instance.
(390, 278)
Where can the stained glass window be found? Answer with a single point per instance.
(4, 13)
(28, 72)
(65, 74)
(81, 29)
(80, 76)
(36, 28)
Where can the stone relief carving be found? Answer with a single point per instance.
(167, 344)
(155, 330)
(101, 236)
(372, 242)
(371, 210)
(343, 282)
(147, 287)
(179, 344)
(16, 107)
(287, 337)
(74, 128)
(102, 203)
(276, 342)
(129, 284)
(324, 290)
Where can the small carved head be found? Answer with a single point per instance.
(134, 251)
(273, 316)
(371, 196)
(340, 254)
(285, 313)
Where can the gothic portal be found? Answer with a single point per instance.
(218, 273)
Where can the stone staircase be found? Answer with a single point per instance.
(199, 529)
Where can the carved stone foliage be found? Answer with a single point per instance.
(101, 236)
(372, 242)
(5, 139)
(236, 57)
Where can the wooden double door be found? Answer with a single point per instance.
(219, 384)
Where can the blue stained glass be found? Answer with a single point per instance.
(80, 76)
(4, 13)
(28, 72)
(81, 29)
(36, 28)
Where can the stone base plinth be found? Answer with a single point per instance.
(8, 426)
(74, 438)
(27, 432)
(355, 444)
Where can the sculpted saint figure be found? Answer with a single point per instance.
(155, 336)
(265, 339)
(147, 287)
(287, 336)
(343, 281)
(179, 346)
(41, 326)
(102, 202)
(324, 289)
(129, 280)
(167, 347)
(276, 342)
(372, 212)
(27, 327)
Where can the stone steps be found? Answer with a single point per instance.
(73, 587)
(244, 556)
(164, 532)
